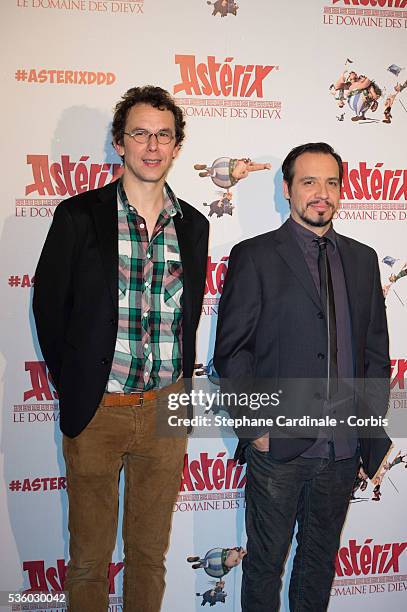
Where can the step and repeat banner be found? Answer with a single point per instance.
(255, 78)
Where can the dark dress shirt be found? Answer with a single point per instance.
(343, 440)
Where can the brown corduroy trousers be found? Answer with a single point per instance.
(121, 436)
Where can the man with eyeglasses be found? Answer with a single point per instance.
(117, 300)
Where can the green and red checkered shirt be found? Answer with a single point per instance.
(148, 344)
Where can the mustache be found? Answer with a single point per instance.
(318, 200)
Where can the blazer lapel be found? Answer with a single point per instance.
(186, 247)
(104, 210)
(291, 252)
(351, 272)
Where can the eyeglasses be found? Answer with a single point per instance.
(142, 136)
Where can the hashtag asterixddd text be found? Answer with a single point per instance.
(21, 75)
(25, 280)
(64, 77)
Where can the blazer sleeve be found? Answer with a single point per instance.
(238, 315)
(374, 442)
(377, 360)
(235, 349)
(52, 299)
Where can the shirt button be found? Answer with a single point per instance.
(131, 207)
(148, 255)
(321, 356)
(104, 361)
(320, 315)
(146, 345)
(142, 226)
(146, 284)
(145, 314)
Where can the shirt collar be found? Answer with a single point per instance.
(171, 205)
(307, 237)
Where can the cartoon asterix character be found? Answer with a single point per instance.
(393, 278)
(226, 171)
(362, 95)
(218, 561)
(340, 89)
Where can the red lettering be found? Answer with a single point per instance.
(40, 388)
(114, 569)
(215, 78)
(398, 377)
(36, 576)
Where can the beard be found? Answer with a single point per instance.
(323, 219)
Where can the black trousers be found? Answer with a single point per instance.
(314, 492)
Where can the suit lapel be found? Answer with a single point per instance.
(291, 252)
(186, 247)
(104, 210)
(351, 274)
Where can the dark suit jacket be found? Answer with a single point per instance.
(270, 326)
(76, 297)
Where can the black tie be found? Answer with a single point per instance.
(328, 303)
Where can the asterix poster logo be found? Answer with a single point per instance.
(118, 7)
(40, 577)
(211, 483)
(215, 278)
(398, 384)
(373, 192)
(369, 568)
(366, 13)
(225, 88)
(40, 399)
(53, 180)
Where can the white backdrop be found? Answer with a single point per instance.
(253, 84)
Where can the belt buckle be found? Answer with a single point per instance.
(140, 398)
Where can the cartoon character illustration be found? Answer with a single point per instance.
(226, 171)
(218, 561)
(363, 94)
(398, 88)
(214, 595)
(400, 458)
(360, 483)
(340, 89)
(393, 278)
(221, 207)
(224, 7)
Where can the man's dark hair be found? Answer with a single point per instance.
(154, 96)
(309, 147)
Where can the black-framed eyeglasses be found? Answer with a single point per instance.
(142, 136)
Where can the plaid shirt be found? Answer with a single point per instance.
(148, 344)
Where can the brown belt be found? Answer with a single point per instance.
(128, 399)
(138, 398)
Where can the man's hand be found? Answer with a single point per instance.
(262, 444)
(362, 474)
